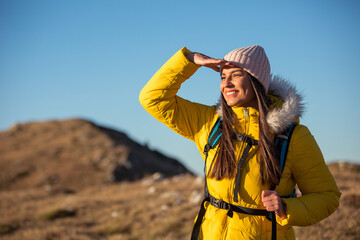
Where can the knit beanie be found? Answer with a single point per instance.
(253, 60)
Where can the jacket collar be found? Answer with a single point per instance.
(287, 105)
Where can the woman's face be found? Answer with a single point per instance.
(236, 87)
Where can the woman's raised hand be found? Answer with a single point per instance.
(206, 61)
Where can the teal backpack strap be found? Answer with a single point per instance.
(282, 142)
(213, 140)
(214, 136)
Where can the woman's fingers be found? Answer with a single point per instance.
(206, 61)
(272, 201)
(201, 59)
(270, 198)
(214, 64)
(216, 68)
(272, 206)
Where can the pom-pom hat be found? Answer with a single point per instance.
(252, 59)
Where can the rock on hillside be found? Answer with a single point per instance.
(75, 153)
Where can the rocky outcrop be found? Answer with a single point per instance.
(75, 153)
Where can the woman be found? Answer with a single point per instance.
(239, 174)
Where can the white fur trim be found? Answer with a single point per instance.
(280, 118)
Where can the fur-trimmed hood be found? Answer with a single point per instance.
(280, 118)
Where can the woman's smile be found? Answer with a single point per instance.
(230, 93)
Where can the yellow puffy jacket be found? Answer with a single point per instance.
(304, 166)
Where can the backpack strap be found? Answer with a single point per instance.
(214, 136)
(282, 142)
(213, 140)
(250, 142)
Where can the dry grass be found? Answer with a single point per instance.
(139, 210)
(153, 208)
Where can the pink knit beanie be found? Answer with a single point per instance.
(254, 60)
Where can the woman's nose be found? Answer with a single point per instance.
(227, 81)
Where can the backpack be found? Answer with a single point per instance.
(282, 142)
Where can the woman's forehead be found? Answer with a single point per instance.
(230, 68)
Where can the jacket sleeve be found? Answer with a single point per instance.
(159, 97)
(320, 194)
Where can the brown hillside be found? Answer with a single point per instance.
(154, 208)
(74, 154)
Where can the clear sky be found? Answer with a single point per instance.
(90, 59)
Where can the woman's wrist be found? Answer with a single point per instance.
(190, 56)
(282, 213)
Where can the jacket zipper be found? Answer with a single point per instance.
(246, 114)
(242, 144)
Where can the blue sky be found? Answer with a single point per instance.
(90, 59)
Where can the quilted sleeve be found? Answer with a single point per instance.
(320, 194)
(159, 97)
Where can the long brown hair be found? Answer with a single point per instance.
(224, 164)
